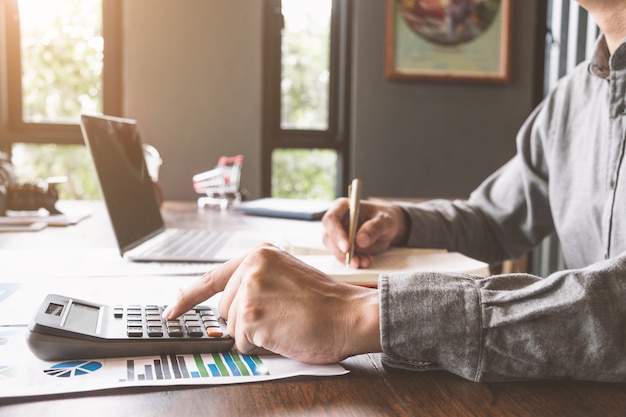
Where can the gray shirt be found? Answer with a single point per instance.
(566, 177)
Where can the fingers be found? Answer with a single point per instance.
(210, 284)
(253, 300)
(361, 261)
(273, 302)
(384, 228)
(335, 238)
(374, 235)
(335, 223)
(378, 226)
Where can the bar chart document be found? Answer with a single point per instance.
(22, 374)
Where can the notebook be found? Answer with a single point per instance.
(398, 260)
(117, 152)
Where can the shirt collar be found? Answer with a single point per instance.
(602, 61)
(599, 64)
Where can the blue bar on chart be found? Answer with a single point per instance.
(206, 366)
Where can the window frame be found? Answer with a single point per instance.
(12, 127)
(336, 137)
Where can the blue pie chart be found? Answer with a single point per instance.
(73, 368)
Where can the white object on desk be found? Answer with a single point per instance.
(22, 226)
(287, 208)
(397, 260)
(29, 220)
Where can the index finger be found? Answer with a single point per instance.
(210, 284)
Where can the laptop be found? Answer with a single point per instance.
(132, 203)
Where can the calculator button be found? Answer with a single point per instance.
(118, 312)
(195, 331)
(131, 316)
(172, 323)
(153, 323)
(134, 323)
(211, 324)
(214, 332)
(193, 323)
(153, 317)
(175, 331)
(134, 331)
(155, 331)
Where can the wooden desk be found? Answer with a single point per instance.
(368, 390)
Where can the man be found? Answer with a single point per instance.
(567, 176)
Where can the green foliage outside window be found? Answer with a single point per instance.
(304, 173)
(305, 64)
(62, 51)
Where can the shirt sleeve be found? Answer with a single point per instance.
(509, 327)
(508, 214)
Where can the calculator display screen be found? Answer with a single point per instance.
(82, 318)
(54, 309)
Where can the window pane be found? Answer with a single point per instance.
(62, 52)
(37, 162)
(304, 173)
(305, 64)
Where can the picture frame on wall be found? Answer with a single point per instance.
(448, 40)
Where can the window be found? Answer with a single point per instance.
(58, 59)
(305, 134)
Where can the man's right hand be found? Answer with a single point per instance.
(380, 226)
(274, 302)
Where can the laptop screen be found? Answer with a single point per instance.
(127, 188)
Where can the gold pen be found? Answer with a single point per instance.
(354, 194)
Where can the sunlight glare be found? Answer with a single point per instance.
(297, 11)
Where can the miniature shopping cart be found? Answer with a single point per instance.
(220, 185)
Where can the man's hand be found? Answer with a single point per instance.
(274, 302)
(380, 227)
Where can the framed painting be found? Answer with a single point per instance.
(448, 40)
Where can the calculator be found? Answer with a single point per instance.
(67, 328)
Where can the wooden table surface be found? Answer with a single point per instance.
(368, 390)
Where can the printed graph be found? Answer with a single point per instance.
(214, 365)
(73, 368)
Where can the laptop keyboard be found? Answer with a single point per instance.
(186, 243)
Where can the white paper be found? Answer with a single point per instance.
(28, 265)
(22, 374)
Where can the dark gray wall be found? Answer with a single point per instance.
(192, 79)
(427, 139)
